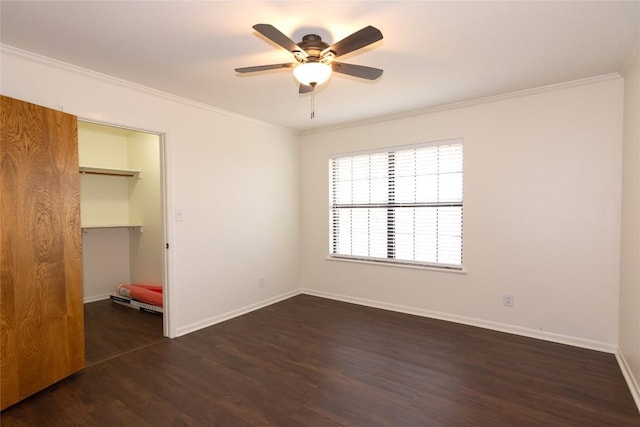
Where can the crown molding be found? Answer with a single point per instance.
(468, 103)
(10, 50)
(34, 57)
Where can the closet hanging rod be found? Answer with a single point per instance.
(108, 173)
(128, 173)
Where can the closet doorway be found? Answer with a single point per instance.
(123, 238)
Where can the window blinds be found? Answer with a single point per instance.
(399, 205)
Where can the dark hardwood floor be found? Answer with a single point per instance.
(308, 361)
(112, 330)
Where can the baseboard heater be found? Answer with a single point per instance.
(120, 299)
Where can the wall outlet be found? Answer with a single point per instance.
(508, 300)
(261, 282)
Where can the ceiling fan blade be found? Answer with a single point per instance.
(305, 89)
(263, 68)
(357, 40)
(276, 36)
(361, 71)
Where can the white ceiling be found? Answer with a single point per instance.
(433, 53)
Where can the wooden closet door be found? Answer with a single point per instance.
(41, 306)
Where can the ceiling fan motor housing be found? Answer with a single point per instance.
(313, 45)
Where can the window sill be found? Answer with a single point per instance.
(397, 265)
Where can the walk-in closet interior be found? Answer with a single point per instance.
(121, 207)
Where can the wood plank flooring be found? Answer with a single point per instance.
(309, 361)
(112, 330)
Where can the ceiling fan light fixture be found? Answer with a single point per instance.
(312, 73)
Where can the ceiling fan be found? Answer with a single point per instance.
(314, 58)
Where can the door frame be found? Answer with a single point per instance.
(166, 260)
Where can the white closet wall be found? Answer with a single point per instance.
(119, 254)
(103, 199)
(146, 207)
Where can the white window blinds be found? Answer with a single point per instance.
(399, 205)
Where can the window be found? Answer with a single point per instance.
(400, 204)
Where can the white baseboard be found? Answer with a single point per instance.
(234, 313)
(95, 298)
(629, 378)
(486, 324)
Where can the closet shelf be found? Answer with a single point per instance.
(95, 226)
(129, 173)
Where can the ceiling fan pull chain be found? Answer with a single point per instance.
(313, 104)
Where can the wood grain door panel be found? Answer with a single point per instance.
(41, 249)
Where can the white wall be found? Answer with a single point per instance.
(105, 261)
(103, 201)
(146, 249)
(541, 215)
(236, 181)
(629, 339)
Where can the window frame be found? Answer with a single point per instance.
(391, 207)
